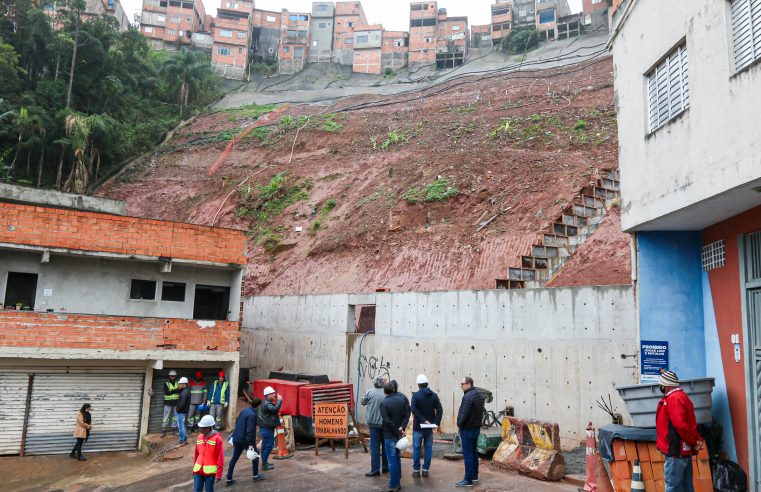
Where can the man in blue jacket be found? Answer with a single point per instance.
(469, 420)
(426, 409)
(244, 438)
(219, 399)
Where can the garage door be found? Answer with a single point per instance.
(14, 388)
(116, 399)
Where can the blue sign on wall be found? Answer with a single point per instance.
(654, 359)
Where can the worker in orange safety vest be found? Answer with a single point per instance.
(209, 458)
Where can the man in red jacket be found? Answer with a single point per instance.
(677, 433)
(209, 458)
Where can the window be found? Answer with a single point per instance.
(668, 88)
(500, 11)
(187, 19)
(301, 34)
(232, 5)
(418, 6)
(296, 17)
(240, 50)
(225, 33)
(171, 32)
(546, 16)
(21, 290)
(348, 41)
(298, 53)
(596, 1)
(427, 40)
(173, 291)
(223, 51)
(143, 289)
(314, 44)
(175, 20)
(148, 29)
(363, 39)
(211, 302)
(712, 255)
(522, 13)
(322, 8)
(286, 49)
(160, 18)
(350, 24)
(746, 32)
(241, 34)
(485, 37)
(322, 25)
(270, 18)
(455, 28)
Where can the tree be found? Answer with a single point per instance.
(77, 6)
(10, 83)
(521, 40)
(79, 130)
(25, 122)
(186, 71)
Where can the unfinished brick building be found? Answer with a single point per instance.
(501, 20)
(451, 41)
(265, 35)
(169, 24)
(549, 14)
(294, 41)
(98, 306)
(348, 16)
(423, 32)
(480, 36)
(231, 32)
(395, 51)
(368, 42)
(321, 48)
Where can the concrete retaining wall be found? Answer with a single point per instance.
(548, 352)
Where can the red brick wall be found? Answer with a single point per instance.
(90, 231)
(123, 333)
(367, 61)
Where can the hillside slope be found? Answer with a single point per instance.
(390, 194)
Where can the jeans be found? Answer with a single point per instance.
(469, 438)
(199, 481)
(422, 437)
(377, 450)
(678, 474)
(239, 449)
(193, 416)
(217, 410)
(181, 426)
(268, 442)
(169, 411)
(394, 464)
(77, 451)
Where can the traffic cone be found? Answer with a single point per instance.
(282, 448)
(596, 477)
(637, 483)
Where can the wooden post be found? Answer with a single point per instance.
(26, 413)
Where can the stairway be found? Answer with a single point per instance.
(569, 230)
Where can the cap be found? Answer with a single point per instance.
(268, 390)
(669, 378)
(183, 380)
(221, 374)
(421, 379)
(172, 372)
(206, 421)
(199, 374)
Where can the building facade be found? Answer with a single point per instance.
(348, 16)
(452, 40)
(169, 24)
(481, 36)
(524, 13)
(501, 21)
(323, 16)
(687, 84)
(98, 306)
(295, 41)
(368, 43)
(423, 31)
(595, 13)
(549, 14)
(231, 33)
(396, 50)
(265, 35)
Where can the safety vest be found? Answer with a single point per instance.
(206, 463)
(170, 392)
(221, 393)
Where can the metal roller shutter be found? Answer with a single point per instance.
(157, 400)
(14, 388)
(116, 398)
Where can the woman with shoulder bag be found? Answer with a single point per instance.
(82, 431)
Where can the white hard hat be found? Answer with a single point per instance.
(421, 379)
(183, 380)
(206, 421)
(172, 372)
(268, 390)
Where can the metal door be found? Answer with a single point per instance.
(752, 274)
(14, 388)
(116, 399)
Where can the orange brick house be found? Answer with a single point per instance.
(231, 32)
(395, 51)
(501, 20)
(451, 41)
(294, 41)
(169, 24)
(265, 35)
(423, 32)
(348, 15)
(97, 307)
(368, 42)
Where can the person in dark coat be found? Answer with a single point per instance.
(82, 431)
(426, 409)
(269, 419)
(182, 409)
(395, 413)
(469, 422)
(244, 438)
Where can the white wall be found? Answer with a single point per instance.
(548, 352)
(710, 148)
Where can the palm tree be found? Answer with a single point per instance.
(185, 69)
(79, 130)
(25, 121)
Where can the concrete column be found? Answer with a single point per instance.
(146, 410)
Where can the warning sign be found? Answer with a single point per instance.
(331, 420)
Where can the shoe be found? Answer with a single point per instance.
(475, 480)
(372, 474)
(163, 432)
(229, 482)
(72, 455)
(384, 471)
(464, 483)
(182, 442)
(81, 458)
(415, 474)
(268, 466)
(259, 477)
(389, 489)
(425, 473)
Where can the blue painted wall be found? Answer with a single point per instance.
(671, 297)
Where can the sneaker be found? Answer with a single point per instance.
(259, 477)
(425, 473)
(163, 432)
(464, 483)
(384, 471)
(229, 482)
(268, 466)
(372, 474)
(415, 474)
(475, 480)
(389, 489)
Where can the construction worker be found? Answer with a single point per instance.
(372, 401)
(469, 420)
(182, 408)
(268, 421)
(219, 398)
(676, 433)
(197, 398)
(171, 394)
(209, 457)
(426, 409)
(395, 413)
(244, 439)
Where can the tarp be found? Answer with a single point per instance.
(614, 431)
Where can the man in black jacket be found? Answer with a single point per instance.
(426, 409)
(244, 439)
(469, 422)
(395, 413)
(182, 409)
(268, 421)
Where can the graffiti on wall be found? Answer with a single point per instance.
(372, 367)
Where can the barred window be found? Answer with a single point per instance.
(746, 32)
(668, 88)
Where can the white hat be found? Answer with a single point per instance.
(268, 390)
(207, 421)
(183, 380)
(172, 372)
(421, 379)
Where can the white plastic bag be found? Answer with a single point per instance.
(252, 454)
(402, 443)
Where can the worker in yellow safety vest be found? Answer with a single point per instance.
(171, 395)
(209, 458)
(219, 398)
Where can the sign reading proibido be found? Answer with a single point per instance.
(331, 420)
(654, 359)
